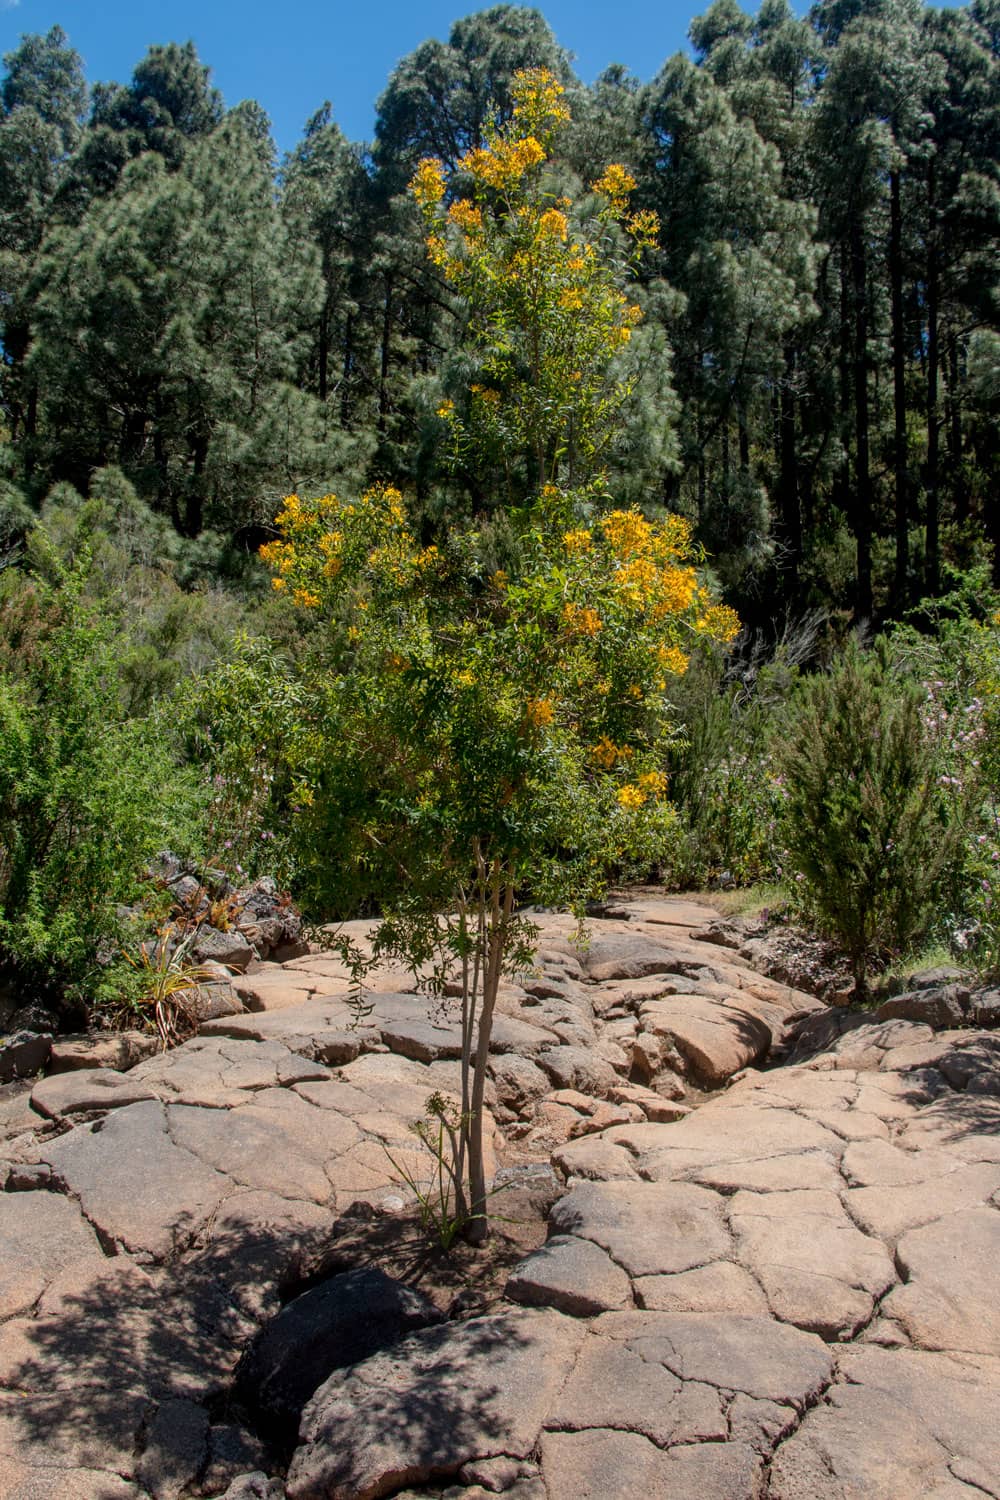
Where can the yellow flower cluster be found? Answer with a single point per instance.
(644, 226)
(446, 410)
(427, 183)
(605, 753)
(631, 535)
(466, 215)
(577, 541)
(637, 579)
(720, 622)
(628, 532)
(437, 252)
(278, 555)
(615, 183)
(503, 163)
(653, 782)
(631, 797)
(539, 712)
(538, 101)
(675, 591)
(553, 224)
(486, 394)
(581, 619)
(671, 659)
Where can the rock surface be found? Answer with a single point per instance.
(786, 1290)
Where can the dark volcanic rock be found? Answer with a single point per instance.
(941, 1006)
(23, 1054)
(336, 1324)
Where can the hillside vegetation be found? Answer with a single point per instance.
(576, 484)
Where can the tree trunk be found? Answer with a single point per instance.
(501, 906)
(788, 477)
(960, 491)
(900, 451)
(383, 383)
(862, 468)
(345, 383)
(933, 500)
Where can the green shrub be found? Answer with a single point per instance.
(722, 778)
(868, 836)
(86, 793)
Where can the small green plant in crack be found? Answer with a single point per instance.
(442, 1203)
(165, 986)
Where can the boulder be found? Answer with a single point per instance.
(119, 1050)
(229, 948)
(715, 1039)
(207, 1002)
(939, 1006)
(984, 1008)
(578, 1068)
(23, 1054)
(86, 1091)
(343, 1320)
(443, 1398)
(573, 1275)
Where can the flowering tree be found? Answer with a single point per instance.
(543, 289)
(489, 733)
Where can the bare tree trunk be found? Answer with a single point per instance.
(933, 499)
(862, 469)
(498, 913)
(900, 451)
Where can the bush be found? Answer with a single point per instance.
(868, 837)
(86, 793)
(722, 777)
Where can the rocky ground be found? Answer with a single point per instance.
(758, 1281)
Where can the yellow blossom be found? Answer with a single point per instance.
(631, 797)
(538, 100)
(427, 183)
(577, 541)
(306, 598)
(446, 409)
(437, 250)
(644, 226)
(552, 224)
(503, 163)
(653, 782)
(539, 712)
(638, 578)
(581, 619)
(277, 583)
(672, 659)
(466, 216)
(720, 622)
(675, 592)
(605, 753)
(615, 183)
(627, 531)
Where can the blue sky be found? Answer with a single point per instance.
(293, 54)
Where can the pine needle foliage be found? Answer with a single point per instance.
(867, 840)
